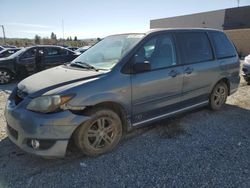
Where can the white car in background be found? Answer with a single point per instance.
(246, 69)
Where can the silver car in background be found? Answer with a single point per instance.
(246, 69)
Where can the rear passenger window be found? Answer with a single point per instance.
(223, 47)
(194, 46)
(53, 51)
(65, 52)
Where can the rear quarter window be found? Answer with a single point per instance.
(222, 46)
(194, 46)
(50, 51)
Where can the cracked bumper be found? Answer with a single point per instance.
(23, 125)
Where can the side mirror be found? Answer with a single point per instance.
(141, 67)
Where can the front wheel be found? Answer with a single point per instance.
(218, 96)
(100, 134)
(5, 76)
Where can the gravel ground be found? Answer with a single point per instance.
(197, 149)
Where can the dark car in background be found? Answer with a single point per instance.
(1, 48)
(8, 52)
(73, 48)
(33, 59)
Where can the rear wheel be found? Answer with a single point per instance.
(5, 76)
(100, 134)
(218, 96)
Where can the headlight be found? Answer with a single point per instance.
(46, 104)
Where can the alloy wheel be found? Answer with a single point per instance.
(101, 133)
(219, 96)
(5, 77)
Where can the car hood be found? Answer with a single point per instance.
(6, 59)
(56, 77)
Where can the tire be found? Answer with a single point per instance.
(100, 134)
(5, 76)
(218, 96)
(247, 79)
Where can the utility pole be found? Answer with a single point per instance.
(3, 34)
(238, 2)
(63, 28)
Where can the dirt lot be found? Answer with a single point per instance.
(197, 149)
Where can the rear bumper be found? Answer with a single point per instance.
(24, 125)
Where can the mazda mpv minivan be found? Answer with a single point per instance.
(122, 82)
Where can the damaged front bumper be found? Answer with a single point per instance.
(52, 131)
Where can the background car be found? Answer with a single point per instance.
(8, 46)
(1, 48)
(73, 48)
(82, 49)
(246, 69)
(8, 52)
(33, 59)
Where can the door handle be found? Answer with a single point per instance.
(188, 70)
(173, 73)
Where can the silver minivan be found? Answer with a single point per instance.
(122, 82)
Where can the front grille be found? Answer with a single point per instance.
(12, 132)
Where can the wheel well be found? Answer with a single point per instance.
(6, 69)
(227, 82)
(116, 107)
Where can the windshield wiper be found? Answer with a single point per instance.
(84, 65)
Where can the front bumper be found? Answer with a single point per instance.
(23, 125)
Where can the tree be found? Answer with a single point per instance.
(37, 39)
(75, 39)
(53, 36)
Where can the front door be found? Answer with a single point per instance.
(155, 91)
(26, 64)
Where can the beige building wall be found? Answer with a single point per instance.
(241, 39)
(212, 19)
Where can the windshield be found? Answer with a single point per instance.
(109, 51)
(19, 52)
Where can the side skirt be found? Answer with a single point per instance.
(150, 120)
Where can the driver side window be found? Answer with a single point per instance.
(159, 51)
(29, 54)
